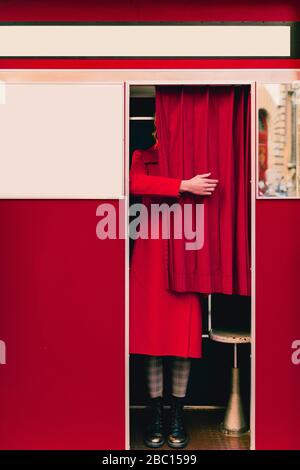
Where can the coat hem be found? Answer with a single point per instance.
(192, 356)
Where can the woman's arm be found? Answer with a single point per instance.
(142, 184)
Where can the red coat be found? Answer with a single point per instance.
(162, 322)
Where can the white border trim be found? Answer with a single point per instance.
(127, 264)
(253, 268)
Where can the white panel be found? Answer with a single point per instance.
(145, 40)
(61, 141)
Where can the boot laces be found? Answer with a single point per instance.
(177, 419)
(156, 418)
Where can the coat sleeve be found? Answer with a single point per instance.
(142, 184)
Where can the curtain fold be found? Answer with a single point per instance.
(202, 129)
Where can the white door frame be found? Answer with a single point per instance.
(127, 86)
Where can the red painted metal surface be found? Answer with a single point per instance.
(62, 319)
(62, 290)
(277, 324)
(157, 10)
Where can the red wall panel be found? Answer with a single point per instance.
(277, 324)
(62, 319)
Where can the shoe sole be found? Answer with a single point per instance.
(178, 446)
(153, 446)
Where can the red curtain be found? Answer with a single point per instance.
(205, 129)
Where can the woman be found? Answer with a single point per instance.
(162, 322)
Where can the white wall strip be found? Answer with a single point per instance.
(145, 40)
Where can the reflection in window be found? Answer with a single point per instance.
(278, 129)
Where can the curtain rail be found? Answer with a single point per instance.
(141, 118)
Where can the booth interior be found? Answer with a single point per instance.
(210, 383)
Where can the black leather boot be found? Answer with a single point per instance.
(178, 437)
(154, 433)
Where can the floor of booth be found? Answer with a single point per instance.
(202, 425)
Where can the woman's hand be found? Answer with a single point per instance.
(199, 184)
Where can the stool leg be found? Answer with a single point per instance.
(234, 423)
(235, 361)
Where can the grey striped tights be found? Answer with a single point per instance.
(180, 375)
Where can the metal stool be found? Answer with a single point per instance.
(234, 423)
